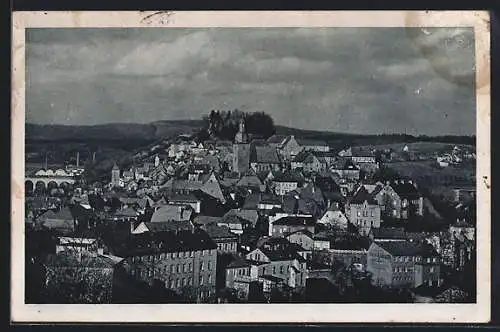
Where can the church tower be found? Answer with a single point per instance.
(115, 176)
(241, 150)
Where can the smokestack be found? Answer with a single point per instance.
(77, 158)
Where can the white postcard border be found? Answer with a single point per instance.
(292, 313)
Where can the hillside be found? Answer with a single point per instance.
(113, 131)
(162, 129)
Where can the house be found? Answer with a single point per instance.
(239, 275)
(226, 241)
(400, 199)
(208, 184)
(184, 261)
(308, 162)
(277, 258)
(334, 217)
(251, 182)
(62, 221)
(364, 211)
(264, 158)
(185, 199)
(288, 148)
(172, 212)
(313, 145)
(76, 244)
(322, 240)
(346, 169)
(79, 277)
(459, 245)
(403, 264)
(236, 224)
(304, 238)
(283, 183)
(290, 224)
(252, 216)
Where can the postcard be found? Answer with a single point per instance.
(243, 167)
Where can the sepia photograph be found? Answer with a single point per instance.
(239, 166)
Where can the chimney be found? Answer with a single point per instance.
(77, 158)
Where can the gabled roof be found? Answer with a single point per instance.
(148, 243)
(264, 154)
(205, 220)
(219, 232)
(361, 196)
(173, 225)
(172, 212)
(70, 259)
(406, 189)
(63, 214)
(237, 261)
(311, 142)
(295, 221)
(249, 181)
(389, 233)
(187, 198)
(301, 231)
(402, 248)
(249, 215)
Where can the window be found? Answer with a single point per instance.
(359, 213)
(210, 278)
(201, 280)
(190, 281)
(274, 269)
(190, 267)
(225, 246)
(209, 266)
(184, 268)
(167, 255)
(201, 266)
(281, 269)
(172, 284)
(178, 282)
(172, 268)
(191, 253)
(431, 269)
(428, 260)
(184, 282)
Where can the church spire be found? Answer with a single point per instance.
(241, 136)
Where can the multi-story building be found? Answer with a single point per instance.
(285, 182)
(226, 241)
(403, 264)
(278, 258)
(290, 224)
(400, 199)
(364, 211)
(313, 145)
(182, 261)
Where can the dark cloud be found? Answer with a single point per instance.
(350, 79)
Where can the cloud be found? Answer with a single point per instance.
(349, 79)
